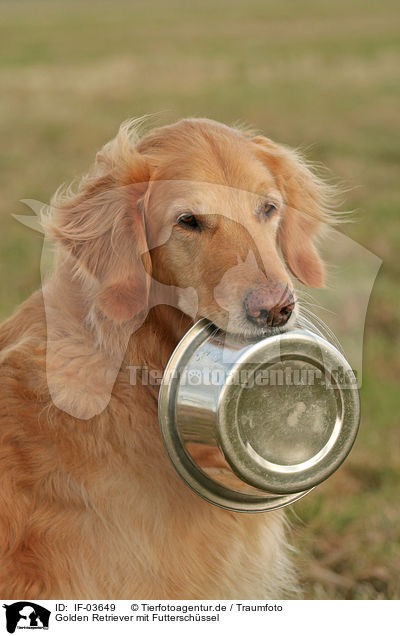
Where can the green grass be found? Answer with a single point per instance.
(320, 75)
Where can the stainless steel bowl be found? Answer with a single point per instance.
(254, 425)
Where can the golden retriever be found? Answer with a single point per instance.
(91, 506)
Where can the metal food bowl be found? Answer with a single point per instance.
(254, 425)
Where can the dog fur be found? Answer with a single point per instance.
(91, 506)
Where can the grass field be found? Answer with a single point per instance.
(321, 75)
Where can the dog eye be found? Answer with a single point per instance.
(269, 208)
(188, 221)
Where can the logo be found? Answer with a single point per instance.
(26, 615)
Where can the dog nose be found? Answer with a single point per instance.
(270, 305)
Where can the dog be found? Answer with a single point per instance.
(193, 219)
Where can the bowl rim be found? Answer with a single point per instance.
(307, 474)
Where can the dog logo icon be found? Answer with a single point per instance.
(26, 615)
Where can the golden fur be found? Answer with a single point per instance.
(91, 506)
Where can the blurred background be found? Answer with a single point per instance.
(319, 75)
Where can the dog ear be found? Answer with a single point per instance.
(295, 237)
(306, 200)
(102, 229)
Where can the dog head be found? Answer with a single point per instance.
(197, 204)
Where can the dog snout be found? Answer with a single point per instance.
(270, 305)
